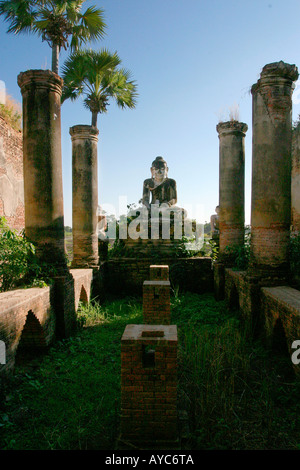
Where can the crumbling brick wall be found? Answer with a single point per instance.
(281, 303)
(127, 275)
(11, 176)
(37, 316)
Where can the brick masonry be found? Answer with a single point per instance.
(40, 315)
(14, 310)
(262, 304)
(11, 176)
(159, 272)
(82, 284)
(149, 384)
(282, 302)
(156, 302)
(127, 275)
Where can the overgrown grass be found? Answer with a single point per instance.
(71, 399)
(234, 393)
(237, 394)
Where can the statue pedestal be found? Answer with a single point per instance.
(150, 233)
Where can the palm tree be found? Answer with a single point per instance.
(59, 22)
(97, 76)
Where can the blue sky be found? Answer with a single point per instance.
(193, 61)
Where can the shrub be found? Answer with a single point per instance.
(239, 255)
(19, 263)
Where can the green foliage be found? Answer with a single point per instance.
(239, 255)
(232, 390)
(60, 23)
(232, 387)
(15, 251)
(96, 75)
(70, 399)
(19, 264)
(214, 249)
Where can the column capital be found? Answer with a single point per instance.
(276, 73)
(41, 79)
(232, 127)
(84, 131)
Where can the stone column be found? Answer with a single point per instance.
(85, 195)
(296, 181)
(43, 188)
(271, 169)
(231, 185)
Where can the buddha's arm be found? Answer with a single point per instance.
(173, 194)
(146, 194)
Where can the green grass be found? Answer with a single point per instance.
(234, 393)
(71, 399)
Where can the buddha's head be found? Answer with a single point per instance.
(159, 169)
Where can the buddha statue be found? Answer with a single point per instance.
(162, 189)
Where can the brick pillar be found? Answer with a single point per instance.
(296, 181)
(231, 185)
(159, 272)
(271, 169)
(85, 196)
(156, 302)
(43, 188)
(149, 385)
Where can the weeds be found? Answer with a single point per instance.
(11, 113)
(233, 391)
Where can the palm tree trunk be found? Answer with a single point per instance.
(94, 118)
(55, 58)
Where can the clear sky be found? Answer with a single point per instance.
(193, 61)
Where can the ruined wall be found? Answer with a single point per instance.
(126, 275)
(14, 308)
(35, 317)
(265, 308)
(281, 303)
(11, 176)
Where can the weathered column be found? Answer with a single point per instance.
(296, 181)
(231, 186)
(85, 195)
(271, 169)
(43, 188)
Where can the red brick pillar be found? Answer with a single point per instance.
(231, 186)
(149, 385)
(85, 196)
(271, 169)
(43, 188)
(156, 302)
(159, 272)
